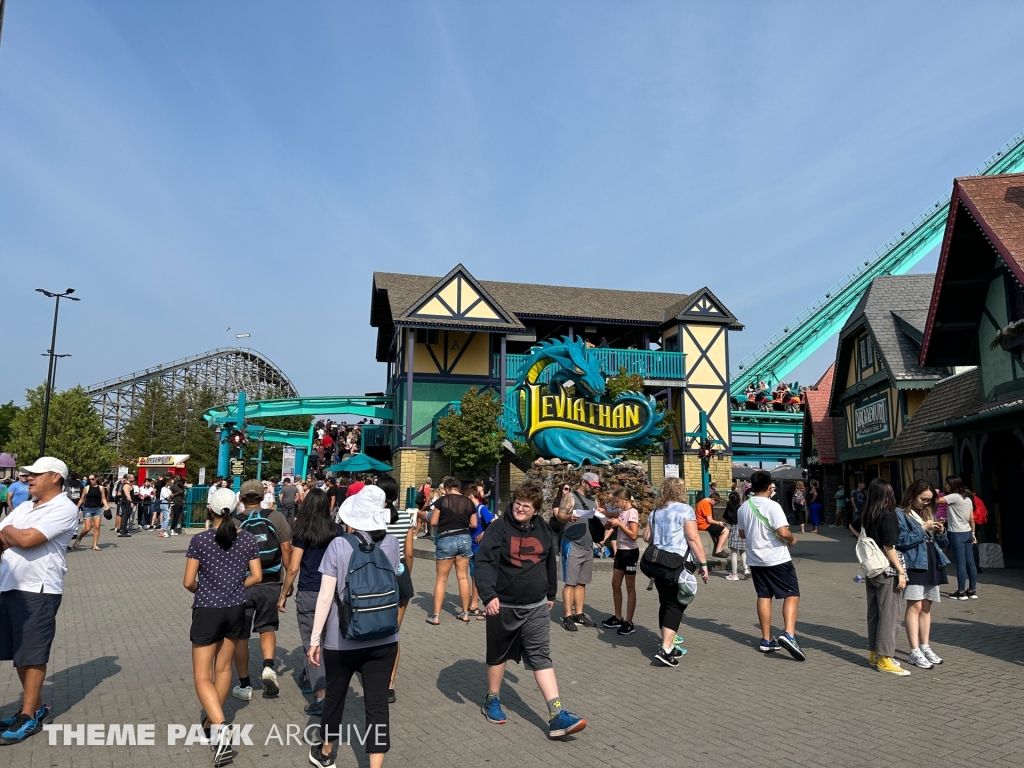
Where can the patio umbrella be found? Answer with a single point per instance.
(740, 472)
(788, 472)
(360, 463)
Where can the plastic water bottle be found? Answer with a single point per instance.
(858, 578)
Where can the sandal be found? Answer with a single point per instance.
(476, 612)
(434, 619)
(464, 616)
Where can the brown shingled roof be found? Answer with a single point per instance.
(997, 204)
(532, 300)
(948, 399)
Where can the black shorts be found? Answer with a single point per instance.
(778, 581)
(261, 609)
(626, 560)
(405, 589)
(520, 634)
(28, 622)
(715, 530)
(211, 625)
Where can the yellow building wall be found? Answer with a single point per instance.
(474, 361)
(706, 376)
(914, 399)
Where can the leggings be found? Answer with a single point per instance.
(374, 664)
(670, 611)
(176, 517)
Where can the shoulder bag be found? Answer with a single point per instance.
(658, 563)
(870, 556)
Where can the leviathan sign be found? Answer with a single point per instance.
(584, 426)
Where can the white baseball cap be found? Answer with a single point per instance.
(221, 499)
(46, 464)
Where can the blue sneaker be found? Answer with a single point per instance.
(315, 707)
(42, 714)
(768, 646)
(790, 644)
(492, 711)
(677, 640)
(565, 723)
(24, 726)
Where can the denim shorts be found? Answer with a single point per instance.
(88, 512)
(447, 547)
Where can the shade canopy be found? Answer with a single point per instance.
(360, 463)
(787, 472)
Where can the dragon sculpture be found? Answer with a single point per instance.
(576, 368)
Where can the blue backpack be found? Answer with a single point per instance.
(266, 538)
(370, 609)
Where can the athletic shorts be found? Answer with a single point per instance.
(520, 634)
(405, 589)
(714, 531)
(626, 560)
(28, 622)
(778, 581)
(211, 625)
(261, 609)
(577, 565)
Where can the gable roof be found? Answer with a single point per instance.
(397, 297)
(816, 415)
(457, 299)
(948, 399)
(893, 310)
(702, 304)
(985, 224)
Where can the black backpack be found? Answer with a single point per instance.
(266, 538)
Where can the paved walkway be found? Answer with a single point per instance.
(122, 656)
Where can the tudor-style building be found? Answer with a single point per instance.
(441, 336)
(976, 318)
(878, 382)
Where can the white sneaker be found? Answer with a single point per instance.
(270, 686)
(732, 577)
(918, 659)
(931, 655)
(746, 574)
(245, 694)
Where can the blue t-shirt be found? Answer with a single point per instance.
(17, 493)
(222, 571)
(309, 567)
(484, 517)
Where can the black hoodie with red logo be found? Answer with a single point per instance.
(516, 563)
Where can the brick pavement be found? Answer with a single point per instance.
(122, 655)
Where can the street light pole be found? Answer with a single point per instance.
(52, 364)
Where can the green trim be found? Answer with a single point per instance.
(995, 413)
(871, 451)
(860, 389)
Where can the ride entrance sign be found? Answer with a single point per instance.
(580, 425)
(237, 467)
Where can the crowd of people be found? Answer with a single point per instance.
(343, 554)
(333, 443)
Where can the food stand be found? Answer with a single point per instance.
(161, 464)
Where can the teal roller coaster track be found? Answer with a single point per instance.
(802, 336)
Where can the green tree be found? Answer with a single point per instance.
(472, 438)
(624, 381)
(75, 432)
(7, 413)
(154, 427)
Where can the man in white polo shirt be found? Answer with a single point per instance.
(34, 540)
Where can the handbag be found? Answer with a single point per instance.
(870, 556)
(659, 563)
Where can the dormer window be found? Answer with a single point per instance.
(865, 352)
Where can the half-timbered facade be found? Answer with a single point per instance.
(441, 336)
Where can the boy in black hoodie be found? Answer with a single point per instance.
(517, 581)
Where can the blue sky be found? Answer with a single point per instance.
(190, 166)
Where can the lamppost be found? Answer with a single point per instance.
(47, 354)
(52, 365)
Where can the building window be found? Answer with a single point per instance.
(865, 352)
(672, 343)
(426, 336)
(1014, 299)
